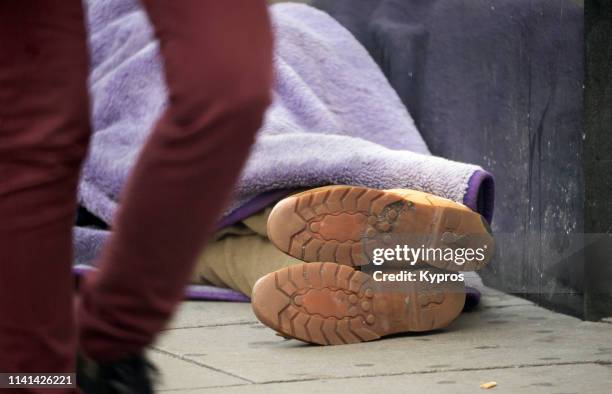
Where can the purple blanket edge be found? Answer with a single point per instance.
(479, 197)
(480, 194)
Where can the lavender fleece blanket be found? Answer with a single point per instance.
(334, 120)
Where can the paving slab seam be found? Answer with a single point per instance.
(431, 371)
(199, 364)
(246, 323)
(499, 306)
(205, 387)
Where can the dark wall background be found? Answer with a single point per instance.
(598, 156)
(500, 83)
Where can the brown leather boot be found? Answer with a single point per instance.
(332, 304)
(349, 224)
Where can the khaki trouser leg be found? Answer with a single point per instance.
(240, 255)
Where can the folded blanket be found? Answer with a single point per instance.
(334, 120)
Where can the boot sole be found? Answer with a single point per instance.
(332, 304)
(344, 224)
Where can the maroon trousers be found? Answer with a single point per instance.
(218, 67)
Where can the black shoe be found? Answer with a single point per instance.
(129, 375)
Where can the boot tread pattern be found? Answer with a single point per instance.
(326, 303)
(344, 224)
(332, 304)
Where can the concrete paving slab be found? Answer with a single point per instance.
(523, 335)
(206, 314)
(563, 379)
(496, 299)
(178, 374)
(491, 297)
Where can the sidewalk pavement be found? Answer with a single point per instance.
(217, 347)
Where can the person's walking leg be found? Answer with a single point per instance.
(218, 64)
(44, 129)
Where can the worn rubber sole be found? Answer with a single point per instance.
(345, 224)
(333, 304)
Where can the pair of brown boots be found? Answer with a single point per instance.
(418, 242)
